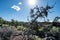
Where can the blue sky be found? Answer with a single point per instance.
(8, 12)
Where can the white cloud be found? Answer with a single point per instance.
(17, 8)
(19, 3)
(51, 20)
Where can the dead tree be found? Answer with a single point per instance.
(40, 12)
